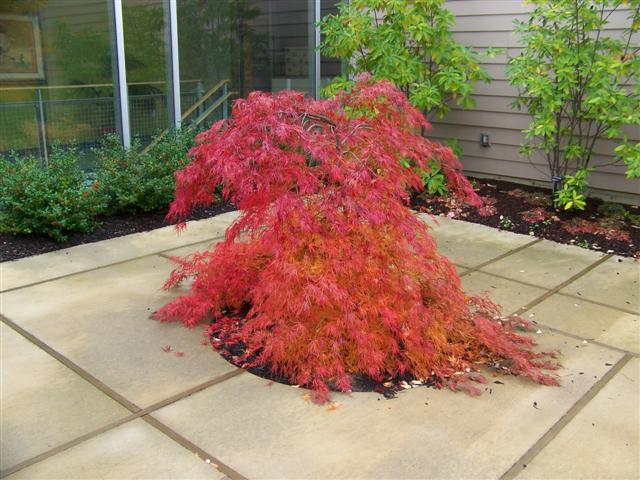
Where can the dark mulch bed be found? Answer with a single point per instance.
(359, 383)
(13, 247)
(602, 226)
(233, 352)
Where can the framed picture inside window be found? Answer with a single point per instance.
(20, 48)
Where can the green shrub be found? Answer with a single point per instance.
(572, 194)
(434, 179)
(131, 181)
(579, 83)
(51, 200)
(612, 210)
(409, 43)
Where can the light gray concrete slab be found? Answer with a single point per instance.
(269, 431)
(100, 320)
(546, 264)
(602, 441)
(188, 250)
(590, 321)
(39, 268)
(44, 404)
(134, 451)
(470, 244)
(510, 295)
(616, 282)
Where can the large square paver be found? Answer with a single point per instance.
(469, 244)
(189, 249)
(616, 282)
(134, 451)
(26, 271)
(511, 296)
(590, 321)
(44, 404)
(546, 264)
(100, 320)
(269, 431)
(602, 441)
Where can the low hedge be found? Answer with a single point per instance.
(59, 198)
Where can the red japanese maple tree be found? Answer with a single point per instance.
(327, 272)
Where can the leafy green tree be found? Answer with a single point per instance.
(578, 83)
(408, 42)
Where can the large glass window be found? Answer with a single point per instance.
(243, 45)
(56, 74)
(330, 67)
(58, 64)
(146, 60)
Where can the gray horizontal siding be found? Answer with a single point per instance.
(489, 23)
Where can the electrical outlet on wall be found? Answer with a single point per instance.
(485, 140)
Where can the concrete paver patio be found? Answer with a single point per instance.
(88, 392)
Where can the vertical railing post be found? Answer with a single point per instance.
(199, 94)
(313, 7)
(225, 104)
(42, 129)
(316, 57)
(171, 8)
(121, 74)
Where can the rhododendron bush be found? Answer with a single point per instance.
(327, 273)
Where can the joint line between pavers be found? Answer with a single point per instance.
(189, 445)
(65, 446)
(187, 393)
(520, 282)
(71, 365)
(554, 291)
(93, 269)
(591, 340)
(134, 415)
(500, 257)
(570, 295)
(602, 304)
(562, 285)
(557, 427)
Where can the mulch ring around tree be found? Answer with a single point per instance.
(603, 226)
(13, 247)
(389, 388)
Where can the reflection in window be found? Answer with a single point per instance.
(253, 44)
(58, 63)
(55, 74)
(145, 49)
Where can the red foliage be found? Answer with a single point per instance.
(327, 272)
(597, 227)
(535, 215)
(488, 207)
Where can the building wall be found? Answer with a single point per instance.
(489, 23)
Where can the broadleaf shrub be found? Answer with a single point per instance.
(52, 199)
(579, 84)
(131, 181)
(572, 194)
(409, 43)
(327, 272)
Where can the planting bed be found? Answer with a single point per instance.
(13, 247)
(524, 209)
(389, 388)
(602, 226)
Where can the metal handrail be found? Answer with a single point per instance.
(192, 108)
(213, 107)
(204, 98)
(93, 85)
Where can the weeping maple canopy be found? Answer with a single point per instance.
(327, 272)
